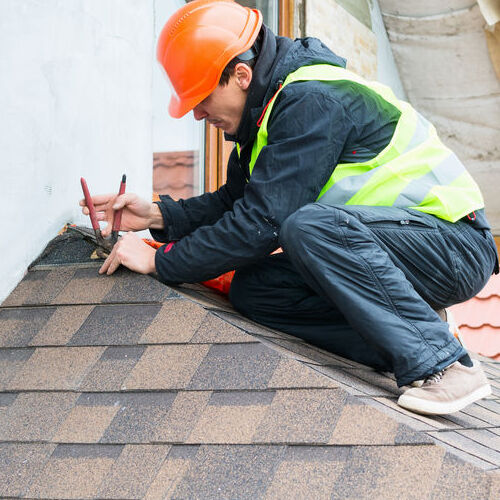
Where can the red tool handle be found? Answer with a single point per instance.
(90, 205)
(117, 219)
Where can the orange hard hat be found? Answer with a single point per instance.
(198, 42)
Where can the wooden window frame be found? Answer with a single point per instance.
(217, 151)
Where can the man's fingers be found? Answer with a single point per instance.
(115, 264)
(105, 265)
(123, 200)
(102, 199)
(108, 261)
(107, 230)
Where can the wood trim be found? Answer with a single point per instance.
(285, 18)
(211, 158)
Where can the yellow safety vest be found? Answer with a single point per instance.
(415, 170)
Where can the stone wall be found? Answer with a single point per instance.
(343, 33)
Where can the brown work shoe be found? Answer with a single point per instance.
(447, 391)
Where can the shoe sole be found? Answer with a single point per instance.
(436, 408)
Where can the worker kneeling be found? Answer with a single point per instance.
(380, 224)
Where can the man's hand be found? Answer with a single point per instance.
(138, 214)
(133, 253)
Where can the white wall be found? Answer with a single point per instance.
(170, 134)
(75, 100)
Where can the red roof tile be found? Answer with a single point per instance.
(174, 173)
(479, 320)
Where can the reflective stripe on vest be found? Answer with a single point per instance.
(415, 170)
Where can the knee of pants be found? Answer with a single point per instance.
(305, 225)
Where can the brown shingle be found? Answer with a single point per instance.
(74, 472)
(363, 425)
(176, 322)
(133, 471)
(11, 363)
(35, 416)
(62, 325)
(55, 368)
(215, 330)
(40, 287)
(235, 366)
(163, 486)
(291, 373)
(301, 416)
(227, 424)
(229, 472)
(182, 417)
(20, 463)
(19, 326)
(166, 367)
(86, 287)
(85, 424)
(138, 417)
(300, 479)
(116, 324)
(113, 367)
(382, 472)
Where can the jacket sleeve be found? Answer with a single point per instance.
(182, 217)
(306, 135)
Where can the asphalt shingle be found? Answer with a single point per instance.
(121, 387)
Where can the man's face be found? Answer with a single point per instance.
(223, 108)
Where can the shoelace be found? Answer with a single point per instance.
(434, 378)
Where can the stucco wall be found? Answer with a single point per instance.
(75, 95)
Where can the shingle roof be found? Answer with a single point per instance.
(121, 387)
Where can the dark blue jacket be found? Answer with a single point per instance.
(313, 127)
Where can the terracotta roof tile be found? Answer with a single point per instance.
(174, 173)
(135, 391)
(479, 320)
(476, 313)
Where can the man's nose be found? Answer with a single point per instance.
(199, 113)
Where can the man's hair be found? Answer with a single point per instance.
(249, 58)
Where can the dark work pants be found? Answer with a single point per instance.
(363, 282)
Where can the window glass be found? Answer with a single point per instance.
(269, 9)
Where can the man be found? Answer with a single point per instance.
(380, 224)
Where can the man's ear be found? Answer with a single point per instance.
(243, 75)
